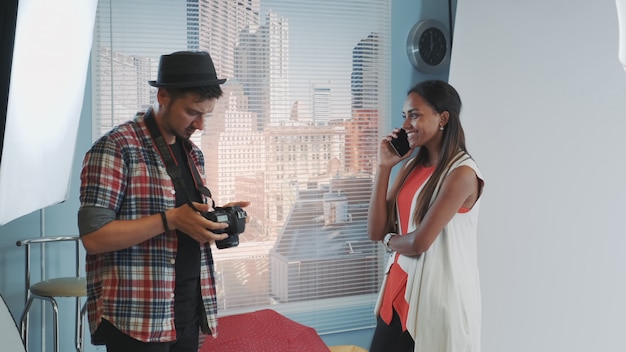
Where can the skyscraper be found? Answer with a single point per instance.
(217, 24)
(262, 65)
(321, 104)
(362, 136)
(366, 73)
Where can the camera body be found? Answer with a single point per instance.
(235, 217)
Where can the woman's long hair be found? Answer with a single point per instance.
(440, 96)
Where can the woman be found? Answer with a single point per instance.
(430, 297)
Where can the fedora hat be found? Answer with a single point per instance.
(184, 69)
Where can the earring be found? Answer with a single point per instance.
(440, 128)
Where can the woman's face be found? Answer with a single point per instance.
(421, 122)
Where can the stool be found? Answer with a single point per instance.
(47, 290)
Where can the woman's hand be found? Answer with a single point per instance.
(387, 156)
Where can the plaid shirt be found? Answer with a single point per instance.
(133, 288)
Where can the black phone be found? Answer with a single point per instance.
(401, 144)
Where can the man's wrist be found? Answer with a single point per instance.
(166, 227)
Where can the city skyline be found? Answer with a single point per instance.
(317, 53)
(256, 102)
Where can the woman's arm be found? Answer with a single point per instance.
(460, 189)
(377, 218)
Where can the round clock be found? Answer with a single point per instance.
(428, 46)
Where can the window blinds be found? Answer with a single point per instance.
(296, 133)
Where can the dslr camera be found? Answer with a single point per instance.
(235, 217)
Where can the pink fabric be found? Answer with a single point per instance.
(263, 330)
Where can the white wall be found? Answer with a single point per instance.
(545, 113)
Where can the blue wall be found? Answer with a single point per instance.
(61, 219)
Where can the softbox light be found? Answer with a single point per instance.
(50, 61)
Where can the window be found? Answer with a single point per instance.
(296, 133)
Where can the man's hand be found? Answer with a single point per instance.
(187, 220)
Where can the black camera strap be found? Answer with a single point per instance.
(173, 169)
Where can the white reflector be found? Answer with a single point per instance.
(50, 61)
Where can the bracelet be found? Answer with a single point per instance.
(387, 239)
(164, 219)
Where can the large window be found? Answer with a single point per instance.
(296, 133)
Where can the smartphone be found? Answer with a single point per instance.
(401, 144)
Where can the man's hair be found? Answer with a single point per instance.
(205, 92)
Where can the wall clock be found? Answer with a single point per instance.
(428, 46)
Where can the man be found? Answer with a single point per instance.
(150, 277)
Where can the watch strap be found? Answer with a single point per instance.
(386, 240)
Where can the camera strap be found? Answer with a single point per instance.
(173, 169)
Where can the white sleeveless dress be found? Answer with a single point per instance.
(443, 289)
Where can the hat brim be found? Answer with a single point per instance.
(211, 82)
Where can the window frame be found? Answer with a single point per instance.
(341, 310)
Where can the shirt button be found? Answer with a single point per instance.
(173, 191)
(172, 294)
(172, 261)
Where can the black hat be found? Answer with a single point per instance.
(184, 69)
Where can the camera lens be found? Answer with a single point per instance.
(231, 241)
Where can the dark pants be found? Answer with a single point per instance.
(116, 341)
(391, 337)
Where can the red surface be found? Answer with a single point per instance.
(263, 331)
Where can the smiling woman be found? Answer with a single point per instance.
(430, 298)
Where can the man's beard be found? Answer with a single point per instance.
(167, 125)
